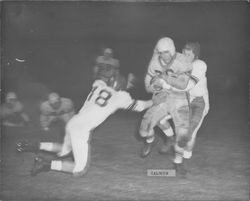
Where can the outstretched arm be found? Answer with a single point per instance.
(140, 105)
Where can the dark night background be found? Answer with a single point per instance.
(60, 41)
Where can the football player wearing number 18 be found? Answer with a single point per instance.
(103, 100)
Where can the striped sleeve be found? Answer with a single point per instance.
(194, 78)
(132, 106)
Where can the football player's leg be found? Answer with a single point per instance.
(50, 146)
(66, 117)
(26, 146)
(45, 121)
(166, 128)
(66, 147)
(42, 164)
(180, 115)
(81, 150)
(151, 118)
(181, 118)
(197, 107)
(145, 127)
(149, 121)
(147, 132)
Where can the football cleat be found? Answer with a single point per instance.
(79, 174)
(180, 169)
(146, 150)
(40, 165)
(26, 146)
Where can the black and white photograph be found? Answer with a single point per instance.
(124, 100)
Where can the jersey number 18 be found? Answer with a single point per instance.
(103, 97)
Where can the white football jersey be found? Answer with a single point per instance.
(200, 89)
(179, 65)
(103, 101)
(199, 74)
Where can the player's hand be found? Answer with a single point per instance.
(156, 83)
(172, 74)
(159, 98)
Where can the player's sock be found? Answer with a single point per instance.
(64, 166)
(187, 154)
(168, 132)
(50, 146)
(178, 158)
(150, 139)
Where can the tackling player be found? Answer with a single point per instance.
(199, 100)
(104, 99)
(54, 109)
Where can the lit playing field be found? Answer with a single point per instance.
(60, 42)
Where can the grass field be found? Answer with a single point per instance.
(218, 170)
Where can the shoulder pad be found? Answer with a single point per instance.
(199, 63)
(99, 83)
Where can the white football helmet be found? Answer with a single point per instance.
(108, 51)
(165, 44)
(11, 95)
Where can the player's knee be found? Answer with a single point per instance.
(182, 131)
(164, 125)
(182, 142)
(145, 131)
(182, 136)
(72, 130)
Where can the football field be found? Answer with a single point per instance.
(218, 170)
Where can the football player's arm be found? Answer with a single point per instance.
(21, 112)
(135, 105)
(152, 71)
(45, 117)
(140, 105)
(198, 72)
(178, 81)
(147, 82)
(25, 117)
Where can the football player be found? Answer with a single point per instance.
(12, 113)
(106, 66)
(199, 103)
(199, 100)
(104, 99)
(167, 100)
(54, 109)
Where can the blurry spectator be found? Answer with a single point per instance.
(54, 109)
(12, 113)
(106, 66)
